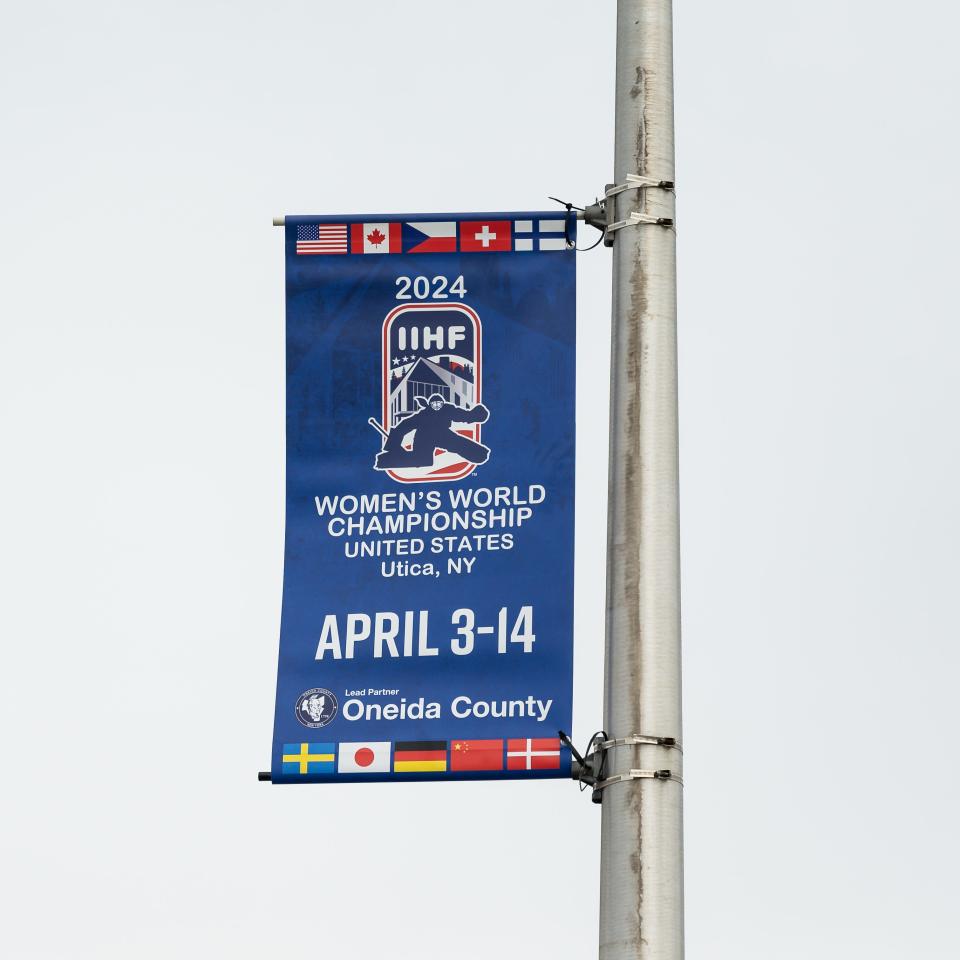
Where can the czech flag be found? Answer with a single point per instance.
(430, 237)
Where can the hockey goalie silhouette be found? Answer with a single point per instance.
(432, 429)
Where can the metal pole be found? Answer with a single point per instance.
(641, 872)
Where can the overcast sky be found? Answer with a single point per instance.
(146, 148)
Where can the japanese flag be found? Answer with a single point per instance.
(364, 758)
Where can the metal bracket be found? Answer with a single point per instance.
(586, 769)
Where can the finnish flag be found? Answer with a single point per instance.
(540, 234)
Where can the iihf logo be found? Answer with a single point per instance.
(431, 394)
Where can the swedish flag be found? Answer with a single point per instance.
(304, 758)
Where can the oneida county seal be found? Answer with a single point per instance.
(316, 707)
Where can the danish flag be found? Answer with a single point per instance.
(533, 754)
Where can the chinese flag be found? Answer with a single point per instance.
(476, 755)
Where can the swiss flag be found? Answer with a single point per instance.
(375, 237)
(484, 235)
(533, 754)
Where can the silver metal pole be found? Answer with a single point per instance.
(641, 872)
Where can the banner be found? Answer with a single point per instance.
(427, 625)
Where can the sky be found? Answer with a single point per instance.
(147, 147)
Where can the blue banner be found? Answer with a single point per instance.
(427, 626)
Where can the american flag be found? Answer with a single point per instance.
(322, 238)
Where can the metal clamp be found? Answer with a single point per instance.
(635, 775)
(637, 218)
(589, 769)
(637, 182)
(601, 746)
(640, 738)
(634, 181)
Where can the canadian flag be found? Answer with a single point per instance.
(364, 758)
(375, 237)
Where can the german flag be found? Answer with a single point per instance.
(420, 756)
